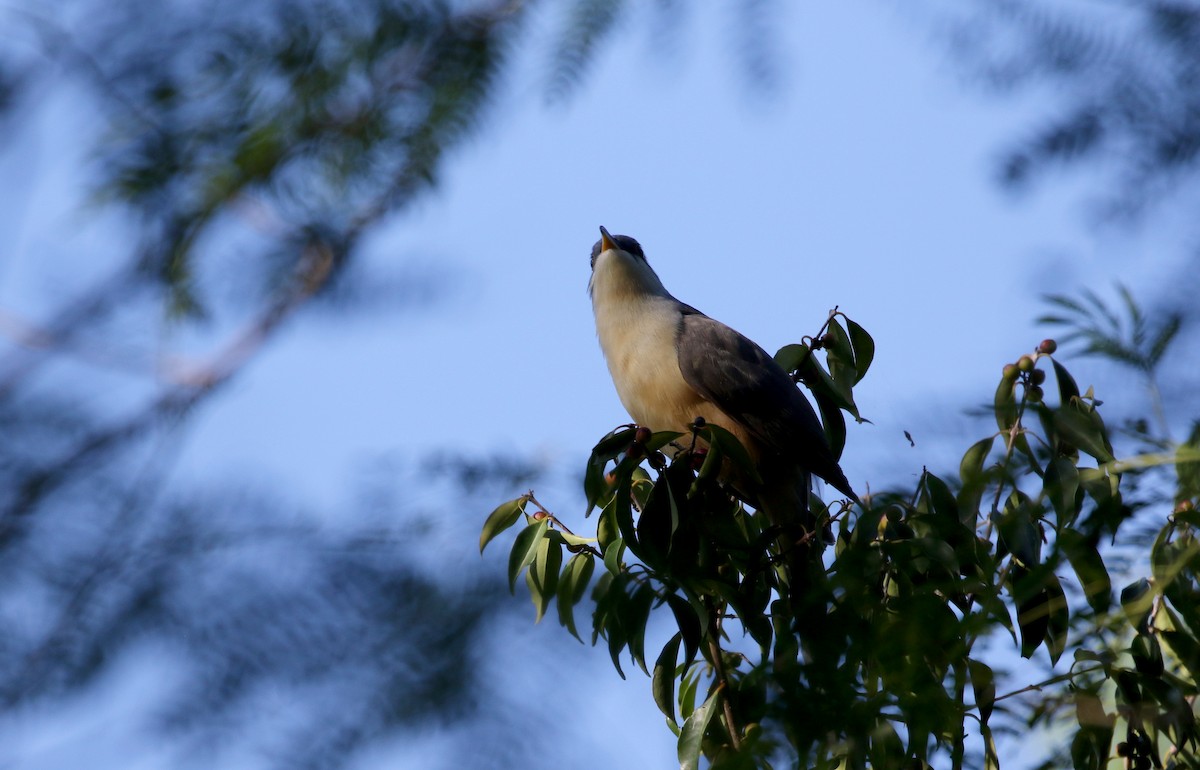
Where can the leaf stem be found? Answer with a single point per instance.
(714, 649)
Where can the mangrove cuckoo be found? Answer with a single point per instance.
(671, 364)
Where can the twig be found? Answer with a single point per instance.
(1038, 687)
(714, 649)
(554, 520)
(813, 340)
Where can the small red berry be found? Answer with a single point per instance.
(1047, 347)
(642, 435)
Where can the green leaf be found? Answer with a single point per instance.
(606, 527)
(731, 448)
(608, 619)
(613, 554)
(543, 574)
(1033, 617)
(691, 628)
(1147, 655)
(1104, 488)
(1170, 557)
(1182, 644)
(622, 500)
(1136, 600)
(525, 549)
(1067, 389)
(864, 348)
(938, 497)
(792, 357)
(691, 737)
(1058, 618)
(1019, 534)
(1004, 404)
(505, 515)
(1061, 486)
(1090, 748)
(839, 355)
(1187, 465)
(687, 692)
(798, 358)
(1080, 425)
(572, 584)
(974, 480)
(983, 682)
(886, 750)
(991, 759)
(662, 681)
(595, 487)
(656, 525)
(634, 620)
(1089, 568)
(834, 423)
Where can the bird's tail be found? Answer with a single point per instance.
(786, 508)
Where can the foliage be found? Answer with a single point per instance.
(246, 152)
(894, 648)
(1122, 76)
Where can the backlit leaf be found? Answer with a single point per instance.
(505, 515)
(691, 737)
(571, 586)
(970, 471)
(525, 549)
(864, 348)
(543, 573)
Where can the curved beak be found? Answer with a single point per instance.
(606, 241)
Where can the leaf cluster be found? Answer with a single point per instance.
(889, 648)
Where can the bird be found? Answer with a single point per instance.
(670, 364)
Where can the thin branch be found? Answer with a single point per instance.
(1045, 683)
(714, 649)
(315, 272)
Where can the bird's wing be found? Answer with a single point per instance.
(747, 384)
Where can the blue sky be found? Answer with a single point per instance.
(865, 181)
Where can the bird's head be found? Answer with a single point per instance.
(624, 243)
(619, 265)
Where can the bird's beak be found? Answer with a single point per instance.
(606, 240)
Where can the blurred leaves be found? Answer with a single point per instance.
(1129, 338)
(254, 606)
(249, 150)
(1123, 77)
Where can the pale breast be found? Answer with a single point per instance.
(638, 340)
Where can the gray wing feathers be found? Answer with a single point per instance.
(739, 377)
